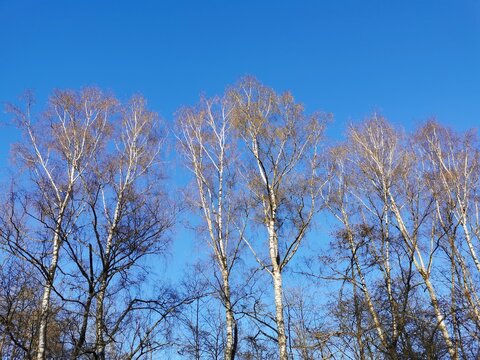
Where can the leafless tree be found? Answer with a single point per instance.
(58, 147)
(280, 160)
(208, 143)
(95, 196)
(129, 211)
(451, 163)
(86, 215)
(19, 305)
(379, 176)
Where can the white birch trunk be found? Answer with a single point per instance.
(278, 291)
(426, 278)
(47, 290)
(231, 343)
(282, 338)
(45, 306)
(468, 238)
(440, 318)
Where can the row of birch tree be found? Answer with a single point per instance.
(362, 248)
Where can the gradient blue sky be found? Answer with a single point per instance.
(410, 60)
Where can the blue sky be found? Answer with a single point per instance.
(410, 60)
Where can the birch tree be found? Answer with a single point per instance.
(59, 146)
(367, 252)
(451, 163)
(280, 142)
(130, 215)
(343, 178)
(208, 144)
(397, 172)
(93, 209)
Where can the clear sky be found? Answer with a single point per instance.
(410, 60)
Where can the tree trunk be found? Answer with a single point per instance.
(282, 338)
(469, 243)
(83, 329)
(100, 341)
(99, 317)
(440, 317)
(86, 312)
(278, 291)
(419, 264)
(45, 306)
(231, 345)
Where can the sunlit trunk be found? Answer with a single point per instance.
(231, 341)
(45, 306)
(278, 291)
(47, 290)
(419, 264)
